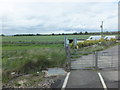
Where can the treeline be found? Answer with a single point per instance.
(75, 33)
(96, 33)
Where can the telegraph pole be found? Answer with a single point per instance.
(101, 26)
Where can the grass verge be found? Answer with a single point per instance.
(31, 60)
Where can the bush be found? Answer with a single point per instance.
(113, 40)
(110, 42)
(93, 42)
(80, 44)
(87, 43)
(101, 40)
(72, 45)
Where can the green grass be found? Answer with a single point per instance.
(33, 57)
(58, 38)
(14, 47)
(44, 57)
(31, 60)
(41, 38)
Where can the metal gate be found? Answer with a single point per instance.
(92, 60)
(108, 60)
(82, 60)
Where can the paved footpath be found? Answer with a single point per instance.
(93, 79)
(110, 78)
(83, 79)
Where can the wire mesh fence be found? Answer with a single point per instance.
(92, 60)
(108, 60)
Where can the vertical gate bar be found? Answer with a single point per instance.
(112, 61)
(93, 60)
(96, 60)
(65, 41)
(69, 56)
(67, 50)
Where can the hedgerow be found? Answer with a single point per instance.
(94, 42)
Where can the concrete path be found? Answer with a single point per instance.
(83, 79)
(110, 78)
(91, 78)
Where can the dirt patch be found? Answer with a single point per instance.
(32, 81)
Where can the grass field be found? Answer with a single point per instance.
(41, 38)
(23, 54)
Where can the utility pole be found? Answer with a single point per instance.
(101, 26)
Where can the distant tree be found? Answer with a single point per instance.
(53, 34)
(62, 33)
(75, 33)
(81, 33)
(86, 33)
(106, 32)
(59, 34)
(37, 34)
(2, 35)
(92, 33)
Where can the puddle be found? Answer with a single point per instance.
(55, 72)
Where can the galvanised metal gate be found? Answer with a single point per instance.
(107, 59)
(83, 60)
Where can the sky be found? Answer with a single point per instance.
(57, 16)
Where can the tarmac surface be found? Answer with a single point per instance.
(111, 78)
(84, 79)
(91, 79)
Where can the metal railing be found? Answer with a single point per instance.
(91, 60)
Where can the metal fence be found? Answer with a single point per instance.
(91, 60)
(82, 60)
(107, 60)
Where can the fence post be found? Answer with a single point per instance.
(65, 41)
(67, 50)
(75, 41)
(96, 60)
(68, 57)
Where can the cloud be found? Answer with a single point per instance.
(46, 17)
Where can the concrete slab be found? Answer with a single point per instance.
(110, 78)
(84, 79)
